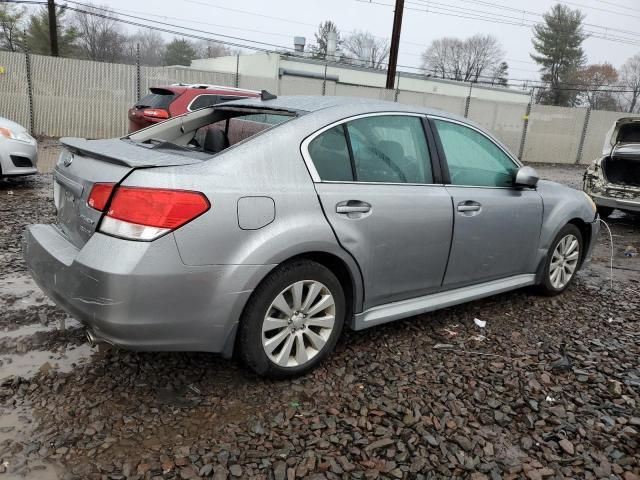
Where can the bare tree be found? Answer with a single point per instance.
(465, 60)
(12, 25)
(152, 47)
(210, 49)
(363, 46)
(630, 79)
(100, 39)
(598, 80)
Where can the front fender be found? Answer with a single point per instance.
(562, 205)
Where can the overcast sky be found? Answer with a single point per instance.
(277, 21)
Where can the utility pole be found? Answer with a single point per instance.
(53, 27)
(395, 43)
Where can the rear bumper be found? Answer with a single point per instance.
(620, 203)
(139, 295)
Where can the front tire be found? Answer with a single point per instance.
(292, 321)
(562, 261)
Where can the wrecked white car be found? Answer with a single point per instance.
(613, 180)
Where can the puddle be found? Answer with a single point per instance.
(19, 291)
(28, 330)
(17, 425)
(28, 364)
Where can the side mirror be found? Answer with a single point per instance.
(526, 177)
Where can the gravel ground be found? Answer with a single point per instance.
(549, 389)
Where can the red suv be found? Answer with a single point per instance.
(166, 102)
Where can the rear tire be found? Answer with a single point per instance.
(604, 212)
(292, 321)
(563, 261)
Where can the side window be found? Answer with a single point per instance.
(202, 101)
(330, 155)
(390, 149)
(472, 158)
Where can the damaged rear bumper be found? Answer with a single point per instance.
(619, 203)
(140, 295)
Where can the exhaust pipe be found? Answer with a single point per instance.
(92, 339)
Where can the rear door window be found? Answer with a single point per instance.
(390, 149)
(158, 98)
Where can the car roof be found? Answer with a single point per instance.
(312, 103)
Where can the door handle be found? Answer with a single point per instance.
(353, 206)
(469, 206)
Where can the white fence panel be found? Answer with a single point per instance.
(553, 134)
(344, 90)
(505, 120)
(81, 98)
(14, 98)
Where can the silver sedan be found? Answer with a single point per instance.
(264, 226)
(18, 150)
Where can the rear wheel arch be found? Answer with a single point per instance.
(349, 276)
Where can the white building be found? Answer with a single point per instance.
(284, 74)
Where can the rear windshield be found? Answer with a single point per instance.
(206, 132)
(158, 98)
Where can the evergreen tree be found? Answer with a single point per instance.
(558, 45)
(179, 52)
(38, 34)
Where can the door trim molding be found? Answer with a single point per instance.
(435, 301)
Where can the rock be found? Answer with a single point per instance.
(280, 471)
(566, 445)
(235, 470)
(383, 442)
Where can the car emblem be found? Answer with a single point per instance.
(68, 161)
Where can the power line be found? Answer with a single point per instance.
(522, 20)
(616, 89)
(493, 19)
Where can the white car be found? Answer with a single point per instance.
(18, 150)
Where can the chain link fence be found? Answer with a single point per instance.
(55, 97)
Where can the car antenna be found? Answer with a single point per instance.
(264, 95)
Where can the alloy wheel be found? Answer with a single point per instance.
(298, 323)
(564, 261)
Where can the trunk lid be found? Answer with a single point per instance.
(84, 163)
(625, 130)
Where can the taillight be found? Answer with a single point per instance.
(100, 194)
(138, 213)
(155, 113)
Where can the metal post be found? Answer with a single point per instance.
(138, 82)
(27, 59)
(468, 102)
(583, 136)
(53, 27)
(395, 43)
(525, 125)
(237, 71)
(397, 92)
(324, 81)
